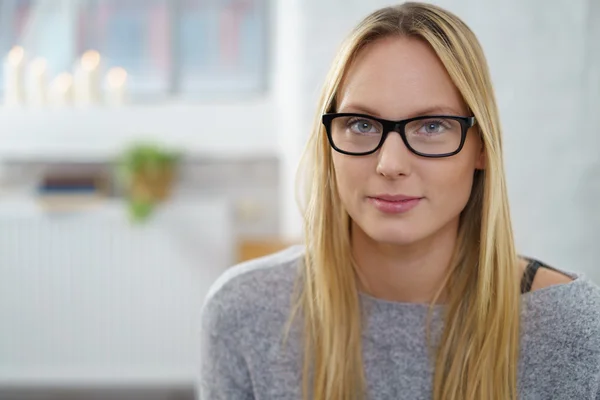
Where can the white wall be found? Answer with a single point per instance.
(589, 190)
(544, 63)
(290, 126)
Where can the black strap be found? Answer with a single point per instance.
(529, 275)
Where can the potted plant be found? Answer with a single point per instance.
(148, 171)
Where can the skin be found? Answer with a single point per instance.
(403, 257)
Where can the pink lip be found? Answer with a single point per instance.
(394, 204)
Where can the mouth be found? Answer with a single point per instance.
(394, 204)
(394, 197)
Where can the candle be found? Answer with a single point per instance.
(116, 81)
(87, 85)
(61, 90)
(14, 94)
(37, 82)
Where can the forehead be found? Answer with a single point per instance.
(398, 77)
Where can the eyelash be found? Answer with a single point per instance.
(438, 122)
(354, 120)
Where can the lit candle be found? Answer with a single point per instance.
(87, 85)
(116, 82)
(37, 82)
(61, 90)
(14, 92)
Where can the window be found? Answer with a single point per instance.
(184, 48)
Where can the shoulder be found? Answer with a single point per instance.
(546, 277)
(256, 277)
(560, 336)
(251, 288)
(564, 302)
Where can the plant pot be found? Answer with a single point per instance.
(154, 185)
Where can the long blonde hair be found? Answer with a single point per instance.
(477, 354)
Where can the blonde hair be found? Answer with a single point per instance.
(477, 354)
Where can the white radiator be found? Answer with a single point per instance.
(89, 299)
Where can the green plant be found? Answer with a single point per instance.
(147, 172)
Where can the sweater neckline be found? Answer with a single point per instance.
(379, 303)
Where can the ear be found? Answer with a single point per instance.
(481, 161)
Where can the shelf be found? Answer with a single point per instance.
(97, 134)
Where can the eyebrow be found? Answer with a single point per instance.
(437, 109)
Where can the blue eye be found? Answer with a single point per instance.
(434, 127)
(362, 126)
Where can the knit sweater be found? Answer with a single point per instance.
(247, 308)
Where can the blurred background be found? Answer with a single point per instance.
(147, 145)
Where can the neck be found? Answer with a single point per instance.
(404, 273)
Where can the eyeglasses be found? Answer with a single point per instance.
(432, 136)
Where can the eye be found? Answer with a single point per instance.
(362, 125)
(432, 127)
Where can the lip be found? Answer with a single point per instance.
(394, 204)
(394, 197)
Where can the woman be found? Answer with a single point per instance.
(409, 285)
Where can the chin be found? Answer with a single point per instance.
(397, 234)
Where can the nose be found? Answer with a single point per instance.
(394, 157)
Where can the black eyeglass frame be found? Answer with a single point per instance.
(399, 127)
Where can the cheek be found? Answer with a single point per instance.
(351, 174)
(451, 185)
(453, 179)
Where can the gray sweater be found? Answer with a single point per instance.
(245, 312)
